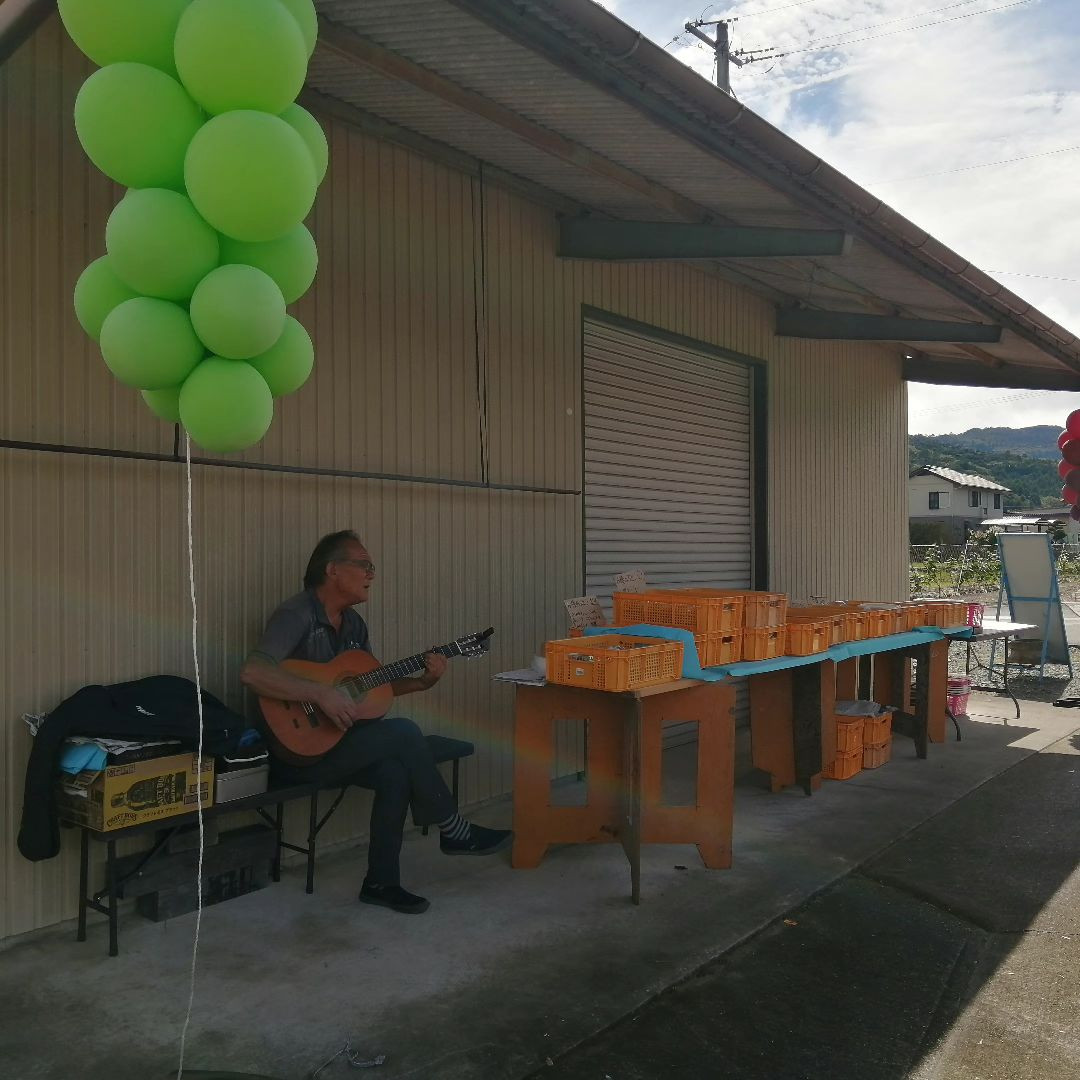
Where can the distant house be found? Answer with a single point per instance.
(1039, 519)
(947, 506)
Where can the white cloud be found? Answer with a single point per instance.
(966, 92)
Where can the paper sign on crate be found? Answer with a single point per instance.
(632, 581)
(584, 611)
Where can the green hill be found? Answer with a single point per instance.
(1032, 481)
(1038, 441)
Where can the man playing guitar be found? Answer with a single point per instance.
(389, 755)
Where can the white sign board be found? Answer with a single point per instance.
(630, 581)
(584, 611)
(1029, 580)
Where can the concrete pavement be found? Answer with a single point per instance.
(512, 969)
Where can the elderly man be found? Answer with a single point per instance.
(389, 755)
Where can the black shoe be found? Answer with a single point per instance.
(478, 841)
(393, 897)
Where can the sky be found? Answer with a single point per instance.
(907, 97)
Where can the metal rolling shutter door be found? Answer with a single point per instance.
(668, 467)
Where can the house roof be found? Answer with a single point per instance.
(969, 480)
(564, 96)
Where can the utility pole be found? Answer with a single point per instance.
(720, 46)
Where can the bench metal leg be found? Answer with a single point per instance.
(279, 820)
(110, 880)
(313, 831)
(453, 788)
(84, 876)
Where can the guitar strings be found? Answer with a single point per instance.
(199, 756)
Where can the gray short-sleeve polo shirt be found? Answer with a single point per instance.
(300, 630)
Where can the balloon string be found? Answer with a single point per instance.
(198, 767)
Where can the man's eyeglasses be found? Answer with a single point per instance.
(361, 564)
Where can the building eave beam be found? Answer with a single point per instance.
(947, 371)
(849, 326)
(592, 238)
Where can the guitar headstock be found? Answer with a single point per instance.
(473, 645)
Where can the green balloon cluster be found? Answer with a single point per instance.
(193, 110)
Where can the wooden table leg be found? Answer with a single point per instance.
(771, 727)
(631, 808)
(84, 878)
(532, 777)
(811, 692)
(937, 689)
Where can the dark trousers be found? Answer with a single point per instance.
(392, 758)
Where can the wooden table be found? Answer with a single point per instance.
(791, 739)
(623, 771)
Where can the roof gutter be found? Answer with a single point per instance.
(617, 57)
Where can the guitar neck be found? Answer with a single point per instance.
(399, 669)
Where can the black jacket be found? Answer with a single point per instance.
(161, 706)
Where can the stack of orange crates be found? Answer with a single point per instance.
(849, 749)
(749, 625)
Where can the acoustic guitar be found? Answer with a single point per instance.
(299, 731)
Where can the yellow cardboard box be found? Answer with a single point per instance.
(135, 792)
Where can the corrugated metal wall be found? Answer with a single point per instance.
(418, 372)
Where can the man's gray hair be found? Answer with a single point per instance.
(330, 548)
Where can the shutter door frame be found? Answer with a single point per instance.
(670, 369)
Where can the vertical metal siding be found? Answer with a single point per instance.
(92, 561)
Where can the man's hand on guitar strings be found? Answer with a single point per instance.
(338, 708)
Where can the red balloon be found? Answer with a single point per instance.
(1072, 479)
(1063, 438)
(1069, 495)
(1071, 452)
(1064, 468)
(1074, 513)
(1072, 425)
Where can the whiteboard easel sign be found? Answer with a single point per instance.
(584, 611)
(632, 581)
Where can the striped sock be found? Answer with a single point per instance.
(454, 828)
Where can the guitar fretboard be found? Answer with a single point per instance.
(399, 669)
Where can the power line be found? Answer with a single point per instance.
(890, 22)
(1041, 277)
(983, 165)
(767, 55)
(786, 7)
(980, 403)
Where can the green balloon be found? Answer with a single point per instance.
(240, 54)
(310, 130)
(291, 260)
(135, 123)
(159, 245)
(109, 31)
(287, 364)
(164, 404)
(303, 11)
(150, 344)
(226, 405)
(250, 175)
(237, 311)
(97, 292)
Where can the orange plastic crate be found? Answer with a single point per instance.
(945, 613)
(846, 765)
(764, 609)
(722, 648)
(685, 609)
(836, 617)
(807, 638)
(764, 642)
(911, 616)
(613, 662)
(876, 728)
(858, 625)
(877, 755)
(880, 623)
(849, 733)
